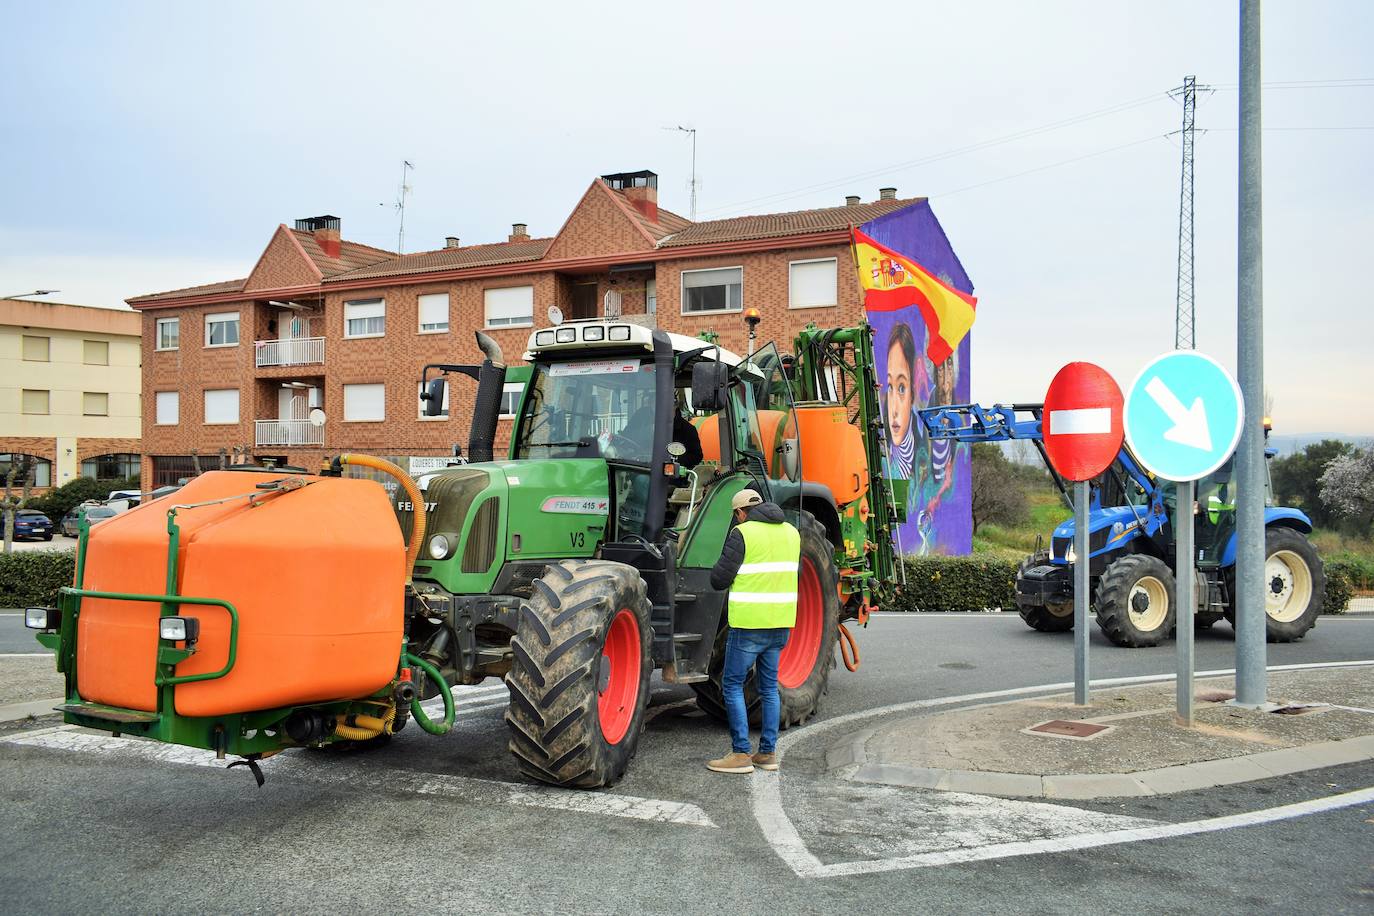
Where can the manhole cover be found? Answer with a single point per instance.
(1216, 696)
(1063, 728)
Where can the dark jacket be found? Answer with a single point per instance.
(732, 556)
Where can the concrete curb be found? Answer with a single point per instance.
(15, 711)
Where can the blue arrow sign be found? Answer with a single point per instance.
(1183, 415)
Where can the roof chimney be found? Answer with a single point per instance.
(639, 188)
(325, 229)
(451, 241)
(887, 193)
(519, 232)
(851, 200)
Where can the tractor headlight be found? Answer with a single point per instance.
(179, 629)
(440, 546)
(1070, 556)
(543, 338)
(565, 335)
(619, 332)
(42, 618)
(594, 332)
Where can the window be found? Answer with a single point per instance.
(651, 297)
(40, 467)
(364, 403)
(95, 352)
(168, 333)
(35, 402)
(221, 406)
(222, 330)
(443, 414)
(717, 290)
(434, 313)
(111, 467)
(95, 404)
(365, 318)
(811, 284)
(168, 408)
(36, 348)
(509, 307)
(172, 470)
(510, 400)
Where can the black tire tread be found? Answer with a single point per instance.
(1113, 593)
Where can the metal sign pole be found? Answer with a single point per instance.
(1251, 689)
(1080, 592)
(1185, 600)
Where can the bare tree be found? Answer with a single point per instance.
(998, 495)
(195, 460)
(21, 468)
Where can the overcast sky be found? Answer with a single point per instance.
(152, 146)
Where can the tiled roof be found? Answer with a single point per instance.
(226, 286)
(668, 221)
(450, 259)
(774, 225)
(352, 255)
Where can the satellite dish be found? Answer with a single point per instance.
(317, 417)
(555, 315)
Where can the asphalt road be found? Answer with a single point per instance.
(14, 637)
(444, 824)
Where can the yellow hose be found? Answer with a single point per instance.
(417, 502)
(365, 728)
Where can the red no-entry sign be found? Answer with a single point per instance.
(1082, 421)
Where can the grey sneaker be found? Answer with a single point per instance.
(766, 761)
(734, 762)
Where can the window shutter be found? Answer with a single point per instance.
(812, 283)
(168, 407)
(222, 405)
(365, 402)
(509, 305)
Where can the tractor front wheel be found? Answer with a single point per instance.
(805, 663)
(579, 680)
(1135, 601)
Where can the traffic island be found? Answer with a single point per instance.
(1127, 743)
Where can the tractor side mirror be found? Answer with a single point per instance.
(709, 381)
(433, 396)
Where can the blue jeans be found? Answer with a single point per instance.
(743, 648)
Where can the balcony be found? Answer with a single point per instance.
(287, 432)
(300, 351)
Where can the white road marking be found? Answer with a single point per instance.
(69, 738)
(782, 834)
(1081, 421)
(26, 655)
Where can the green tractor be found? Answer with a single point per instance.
(580, 563)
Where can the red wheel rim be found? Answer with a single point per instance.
(798, 657)
(616, 702)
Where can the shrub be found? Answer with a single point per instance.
(34, 576)
(1344, 577)
(972, 583)
(62, 500)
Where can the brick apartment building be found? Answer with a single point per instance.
(233, 369)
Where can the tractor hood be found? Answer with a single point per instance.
(1108, 530)
(494, 512)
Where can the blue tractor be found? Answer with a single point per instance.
(1131, 544)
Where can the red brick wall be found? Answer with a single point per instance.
(282, 265)
(598, 226)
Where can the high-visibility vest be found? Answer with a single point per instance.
(764, 594)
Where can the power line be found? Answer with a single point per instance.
(1052, 165)
(948, 154)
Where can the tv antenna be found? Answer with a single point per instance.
(693, 184)
(406, 168)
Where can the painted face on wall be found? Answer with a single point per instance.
(899, 384)
(944, 381)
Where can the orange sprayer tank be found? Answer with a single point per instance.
(832, 451)
(317, 576)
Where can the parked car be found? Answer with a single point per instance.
(71, 521)
(30, 523)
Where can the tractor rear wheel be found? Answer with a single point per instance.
(579, 680)
(1135, 601)
(806, 660)
(1294, 585)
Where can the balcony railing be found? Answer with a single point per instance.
(301, 351)
(288, 432)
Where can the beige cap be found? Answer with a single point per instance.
(744, 499)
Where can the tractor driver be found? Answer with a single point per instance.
(640, 431)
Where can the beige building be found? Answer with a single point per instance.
(70, 390)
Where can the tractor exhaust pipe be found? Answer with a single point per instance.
(491, 380)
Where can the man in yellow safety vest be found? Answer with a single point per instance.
(759, 566)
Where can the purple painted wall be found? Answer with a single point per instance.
(939, 513)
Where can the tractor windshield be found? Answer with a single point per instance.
(600, 408)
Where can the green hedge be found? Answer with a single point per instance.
(975, 583)
(32, 577)
(956, 584)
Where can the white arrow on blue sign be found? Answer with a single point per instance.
(1183, 415)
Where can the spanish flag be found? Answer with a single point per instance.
(891, 282)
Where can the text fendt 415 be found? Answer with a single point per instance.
(254, 612)
(1131, 541)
